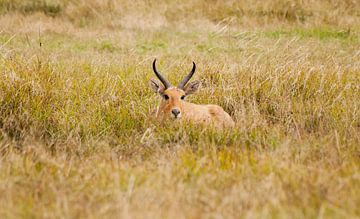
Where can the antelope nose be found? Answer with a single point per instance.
(176, 112)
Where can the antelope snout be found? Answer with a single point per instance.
(176, 113)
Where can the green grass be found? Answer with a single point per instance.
(78, 138)
(321, 34)
(51, 8)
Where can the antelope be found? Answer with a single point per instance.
(174, 106)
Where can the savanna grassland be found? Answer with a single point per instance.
(77, 135)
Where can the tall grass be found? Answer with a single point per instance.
(78, 138)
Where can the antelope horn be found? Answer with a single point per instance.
(187, 78)
(165, 82)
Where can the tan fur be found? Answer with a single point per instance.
(208, 114)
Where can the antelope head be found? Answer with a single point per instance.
(173, 98)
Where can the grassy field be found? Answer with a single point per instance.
(77, 139)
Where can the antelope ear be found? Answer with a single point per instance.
(192, 87)
(156, 86)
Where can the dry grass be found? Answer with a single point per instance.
(77, 140)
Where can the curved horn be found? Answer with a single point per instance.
(165, 82)
(188, 77)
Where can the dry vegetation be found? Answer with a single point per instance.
(77, 140)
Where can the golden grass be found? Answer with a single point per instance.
(78, 141)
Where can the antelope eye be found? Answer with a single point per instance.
(166, 97)
(182, 97)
